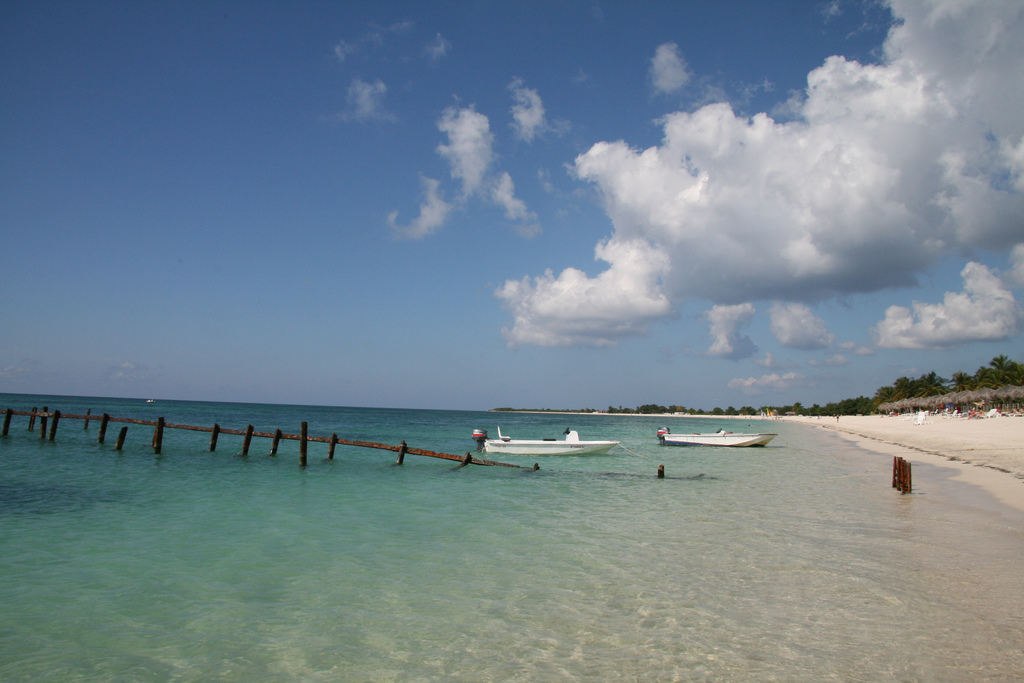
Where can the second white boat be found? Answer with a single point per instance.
(719, 438)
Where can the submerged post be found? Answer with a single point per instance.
(303, 444)
(330, 449)
(120, 438)
(248, 440)
(32, 420)
(661, 471)
(42, 423)
(277, 440)
(401, 453)
(158, 436)
(7, 420)
(88, 413)
(53, 426)
(103, 428)
(213, 436)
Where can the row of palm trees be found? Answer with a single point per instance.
(993, 382)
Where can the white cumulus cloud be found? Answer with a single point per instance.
(669, 72)
(366, 101)
(724, 324)
(884, 168)
(470, 156)
(795, 326)
(469, 150)
(984, 311)
(433, 213)
(576, 310)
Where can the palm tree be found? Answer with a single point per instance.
(1015, 374)
(987, 377)
(884, 395)
(930, 385)
(903, 388)
(961, 381)
(1001, 365)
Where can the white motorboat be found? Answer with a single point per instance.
(719, 438)
(571, 445)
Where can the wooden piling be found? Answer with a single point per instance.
(120, 438)
(32, 420)
(901, 475)
(466, 460)
(103, 428)
(303, 435)
(402, 450)
(661, 471)
(248, 440)
(53, 425)
(42, 423)
(333, 443)
(88, 416)
(277, 440)
(7, 420)
(158, 436)
(213, 437)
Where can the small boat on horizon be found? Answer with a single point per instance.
(719, 438)
(571, 445)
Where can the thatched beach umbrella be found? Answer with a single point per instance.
(984, 394)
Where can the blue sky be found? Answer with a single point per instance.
(531, 204)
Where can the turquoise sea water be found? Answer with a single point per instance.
(795, 562)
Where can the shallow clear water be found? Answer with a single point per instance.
(794, 562)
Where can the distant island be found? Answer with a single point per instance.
(1001, 371)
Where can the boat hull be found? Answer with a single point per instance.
(734, 440)
(525, 447)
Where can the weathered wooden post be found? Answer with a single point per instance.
(303, 444)
(7, 420)
(88, 412)
(330, 449)
(248, 440)
(895, 470)
(103, 428)
(213, 436)
(907, 486)
(401, 453)
(32, 420)
(467, 460)
(42, 423)
(277, 440)
(661, 471)
(53, 425)
(120, 438)
(158, 436)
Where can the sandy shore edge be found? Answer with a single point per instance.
(988, 453)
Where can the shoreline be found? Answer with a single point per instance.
(986, 453)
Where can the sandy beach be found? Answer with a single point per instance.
(988, 453)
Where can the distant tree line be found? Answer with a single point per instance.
(1001, 371)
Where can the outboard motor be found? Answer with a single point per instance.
(662, 431)
(479, 435)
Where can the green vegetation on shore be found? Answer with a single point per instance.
(1000, 371)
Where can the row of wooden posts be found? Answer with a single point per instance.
(160, 425)
(901, 478)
